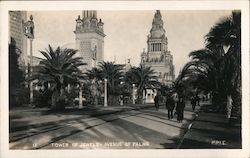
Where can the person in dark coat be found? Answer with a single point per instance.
(180, 109)
(197, 98)
(170, 104)
(193, 102)
(156, 100)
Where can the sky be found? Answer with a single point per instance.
(126, 32)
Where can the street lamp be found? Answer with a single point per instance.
(121, 96)
(28, 29)
(133, 94)
(144, 96)
(105, 93)
(80, 96)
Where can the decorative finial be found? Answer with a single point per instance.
(31, 17)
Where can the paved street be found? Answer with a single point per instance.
(124, 128)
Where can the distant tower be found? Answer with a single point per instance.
(158, 56)
(90, 38)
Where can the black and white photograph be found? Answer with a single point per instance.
(97, 79)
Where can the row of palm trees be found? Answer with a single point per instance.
(62, 68)
(216, 69)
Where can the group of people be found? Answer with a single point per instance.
(172, 102)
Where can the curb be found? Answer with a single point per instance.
(189, 127)
(196, 114)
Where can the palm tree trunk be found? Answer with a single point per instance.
(113, 100)
(236, 103)
(54, 99)
(95, 100)
(229, 105)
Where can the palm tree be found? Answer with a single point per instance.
(59, 68)
(144, 78)
(217, 68)
(225, 38)
(113, 73)
(94, 76)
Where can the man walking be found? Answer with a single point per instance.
(193, 102)
(156, 100)
(197, 98)
(180, 109)
(170, 104)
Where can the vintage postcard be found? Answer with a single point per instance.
(125, 79)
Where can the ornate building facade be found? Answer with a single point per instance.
(89, 39)
(157, 56)
(16, 34)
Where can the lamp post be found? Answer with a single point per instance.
(133, 94)
(105, 93)
(143, 96)
(80, 96)
(121, 96)
(28, 29)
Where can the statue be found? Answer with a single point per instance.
(94, 53)
(28, 28)
(78, 23)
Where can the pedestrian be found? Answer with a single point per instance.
(197, 98)
(180, 109)
(170, 104)
(193, 102)
(121, 99)
(156, 100)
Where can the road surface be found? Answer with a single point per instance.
(129, 129)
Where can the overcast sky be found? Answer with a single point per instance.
(127, 32)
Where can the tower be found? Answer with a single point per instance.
(89, 37)
(158, 56)
(16, 34)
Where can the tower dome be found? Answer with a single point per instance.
(157, 30)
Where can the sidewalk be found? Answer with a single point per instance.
(210, 130)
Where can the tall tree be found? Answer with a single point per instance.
(225, 39)
(217, 68)
(94, 78)
(144, 78)
(59, 68)
(113, 73)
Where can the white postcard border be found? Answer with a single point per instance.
(123, 5)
